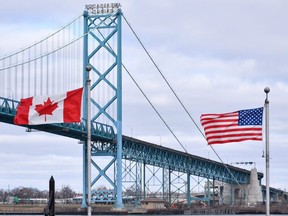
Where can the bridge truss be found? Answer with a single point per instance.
(149, 170)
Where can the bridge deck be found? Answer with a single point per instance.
(100, 132)
(136, 150)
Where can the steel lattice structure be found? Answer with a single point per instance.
(141, 155)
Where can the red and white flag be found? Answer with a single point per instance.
(62, 108)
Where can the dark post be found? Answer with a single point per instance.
(50, 209)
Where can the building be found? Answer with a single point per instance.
(153, 203)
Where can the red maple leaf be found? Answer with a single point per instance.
(47, 108)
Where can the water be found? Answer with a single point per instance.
(172, 215)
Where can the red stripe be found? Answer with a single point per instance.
(221, 126)
(235, 135)
(22, 114)
(203, 116)
(219, 121)
(233, 140)
(72, 106)
(234, 130)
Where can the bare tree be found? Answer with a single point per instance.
(65, 192)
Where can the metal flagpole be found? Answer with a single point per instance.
(88, 85)
(267, 90)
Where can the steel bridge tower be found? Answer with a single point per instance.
(102, 52)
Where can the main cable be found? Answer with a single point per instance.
(47, 54)
(40, 41)
(154, 108)
(166, 81)
(143, 93)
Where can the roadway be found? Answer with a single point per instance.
(135, 149)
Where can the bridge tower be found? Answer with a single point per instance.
(102, 52)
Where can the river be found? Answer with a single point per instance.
(170, 215)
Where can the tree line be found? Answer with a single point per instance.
(30, 192)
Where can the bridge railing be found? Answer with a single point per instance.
(8, 106)
(160, 156)
(99, 131)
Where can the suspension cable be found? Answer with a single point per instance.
(166, 81)
(143, 93)
(51, 52)
(46, 38)
(154, 108)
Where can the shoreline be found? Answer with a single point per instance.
(73, 209)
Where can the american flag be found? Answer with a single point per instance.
(233, 127)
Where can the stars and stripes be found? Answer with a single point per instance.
(233, 127)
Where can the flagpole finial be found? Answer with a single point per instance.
(266, 90)
(88, 68)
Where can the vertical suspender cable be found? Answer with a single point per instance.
(67, 59)
(53, 81)
(65, 67)
(9, 76)
(15, 78)
(4, 76)
(41, 70)
(58, 63)
(35, 71)
(47, 69)
(68, 78)
(55, 62)
(77, 58)
(28, 73)
(60, 66)
(22, 76)
(63, 62)
(73, 80)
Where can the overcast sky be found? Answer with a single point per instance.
(218, 56)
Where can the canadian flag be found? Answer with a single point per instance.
(59, 108)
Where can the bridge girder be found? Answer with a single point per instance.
(160, 156)
(104, 144)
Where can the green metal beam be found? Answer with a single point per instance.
(136, 150)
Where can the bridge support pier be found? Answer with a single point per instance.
(188, 190)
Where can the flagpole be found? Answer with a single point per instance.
(267, 90)
(88, 86)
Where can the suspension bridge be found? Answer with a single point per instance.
(57, 64)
